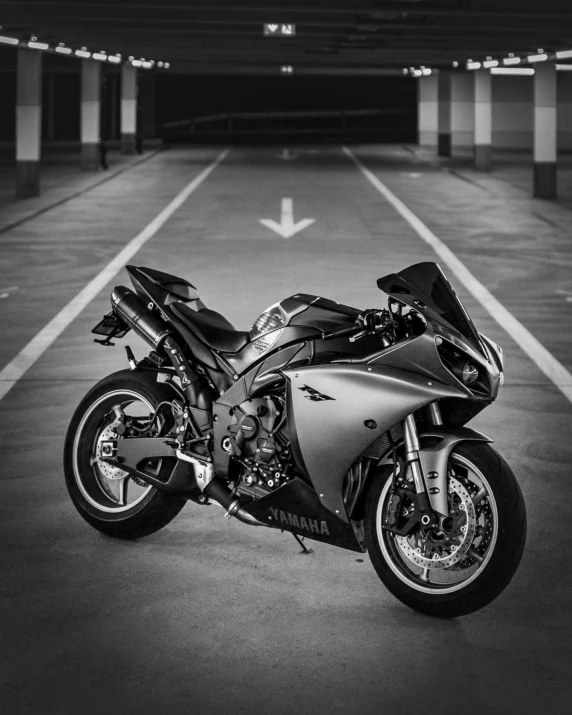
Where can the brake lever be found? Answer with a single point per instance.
(357, 336)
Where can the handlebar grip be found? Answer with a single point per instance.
(340, 332)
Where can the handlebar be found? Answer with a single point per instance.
(370, 322)
(341, 332)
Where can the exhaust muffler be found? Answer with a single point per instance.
(139, 318)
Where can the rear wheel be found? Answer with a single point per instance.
(465, 565)
(105, 496)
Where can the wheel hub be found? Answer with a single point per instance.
(109, 471)
(442, 548)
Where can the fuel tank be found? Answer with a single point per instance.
(301, 317)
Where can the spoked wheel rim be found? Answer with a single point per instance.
(427, 561)
(107, 487)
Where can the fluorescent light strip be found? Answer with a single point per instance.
(9, 40)
(490, 63)
(537, 58)
(136, 63)
(147, 65)
(511, 61)
(563, 54)
(99, 56)
(473, 65)
(64, 50)
(114, 59)
(38, 45)
(513, 70)
(83, 53)
(563, 68)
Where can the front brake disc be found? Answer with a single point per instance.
(442, 554)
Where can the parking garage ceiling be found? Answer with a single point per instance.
(226, 36)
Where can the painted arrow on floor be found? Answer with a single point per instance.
(286, 155)
(287, 228)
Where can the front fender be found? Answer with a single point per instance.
(434, 461)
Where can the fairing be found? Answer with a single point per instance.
(336, 411)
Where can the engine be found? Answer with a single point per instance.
(260, 443)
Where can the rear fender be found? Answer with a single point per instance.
(336, 411)
(434, 461)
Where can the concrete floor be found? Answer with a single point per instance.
(208, 616)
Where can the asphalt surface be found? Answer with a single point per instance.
(208, 615)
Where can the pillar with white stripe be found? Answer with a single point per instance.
(545, 103)
(444, 115)
(90, 113)
(427, 104)
(128, 108)
(483, 149)
(28, 122)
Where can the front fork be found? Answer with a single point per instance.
(423, 510)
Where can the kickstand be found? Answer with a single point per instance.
(304, 549)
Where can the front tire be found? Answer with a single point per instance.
(106, 497)
(455, 573)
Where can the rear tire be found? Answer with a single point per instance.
(98, 492)
(489, 559)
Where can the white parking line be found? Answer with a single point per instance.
(544, 360)
(24, 360)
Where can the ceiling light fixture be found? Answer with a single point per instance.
(490, 63)
(537, 58)
(563, 68)
(563, 53)
(9, 40)
(286, 69)
(114, 59)
(83, 53)
(99, 56)
(38, 45)
(473, 65)
(511, 61)
(512, 70)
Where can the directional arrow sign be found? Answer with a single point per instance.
(286, 155)
(287, 228)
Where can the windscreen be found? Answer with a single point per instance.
(426, 282)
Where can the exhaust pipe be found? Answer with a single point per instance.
(139, 318)
(218, 491)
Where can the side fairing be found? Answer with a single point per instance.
(336, 411)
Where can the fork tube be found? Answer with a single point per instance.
(412, 459)
(435, 414)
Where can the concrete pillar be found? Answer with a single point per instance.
(444, 120)
(28, 122)
(147, 104)
(545, 103)
(128, 108)
(462, 115)
(90, 113)
(483, 108)
(427, 107)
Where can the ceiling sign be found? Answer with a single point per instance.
(279, 29)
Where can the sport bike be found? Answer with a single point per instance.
(335, 424)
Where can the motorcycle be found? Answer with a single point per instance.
(338, 425)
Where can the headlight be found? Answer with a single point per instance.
(469, 373)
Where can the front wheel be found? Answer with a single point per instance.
(463, 566)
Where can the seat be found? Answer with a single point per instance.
(212, 328)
